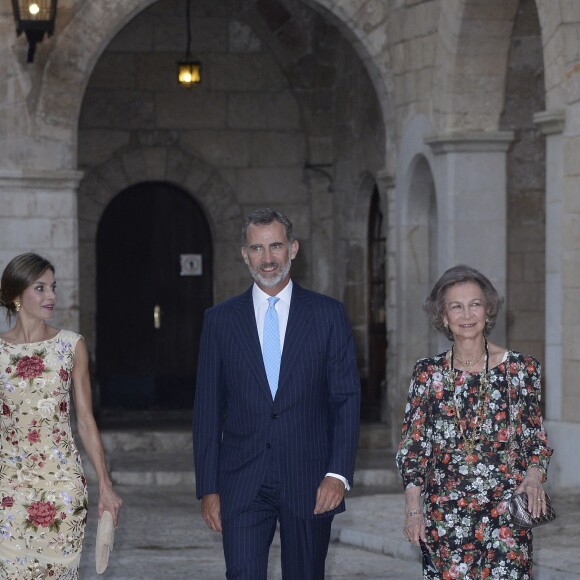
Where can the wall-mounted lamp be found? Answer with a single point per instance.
(188, 69)
(35, 18)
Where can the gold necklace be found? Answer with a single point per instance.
(468, 363)
(470, 442)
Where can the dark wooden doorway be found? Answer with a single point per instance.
(374, 387)
(149, 314)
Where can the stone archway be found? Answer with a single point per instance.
(418, 263)
(419, 246)
(92, 27)
(71, 63)
(471, 63)
(365, 31)
(419, 250)
(470, 67)
(132, 165)
(80, 44)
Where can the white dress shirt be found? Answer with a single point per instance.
(282, 308)
(260, 299)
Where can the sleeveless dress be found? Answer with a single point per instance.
(467, 488)
(43, 494)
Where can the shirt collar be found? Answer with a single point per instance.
(284, 295)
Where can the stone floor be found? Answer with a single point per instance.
(161, 533)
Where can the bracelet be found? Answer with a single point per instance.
(413, 513)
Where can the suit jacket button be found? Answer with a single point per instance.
(268, 445)
(274, 415)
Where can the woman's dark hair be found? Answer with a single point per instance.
(263, 217)
(435, 303)
(19, 274)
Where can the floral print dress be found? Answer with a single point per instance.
(467, 481)
(43, 496)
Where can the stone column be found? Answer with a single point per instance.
(551, 123)
(38, 213)
(322, 250)
(471, 185)
(562, 293)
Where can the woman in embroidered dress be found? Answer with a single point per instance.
(472, 437)
(43, 497)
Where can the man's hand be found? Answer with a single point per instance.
(329, 494)
(211, 512)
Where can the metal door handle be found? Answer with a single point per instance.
(157, 316)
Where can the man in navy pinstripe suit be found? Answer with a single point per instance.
(275, 453)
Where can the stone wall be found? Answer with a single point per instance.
(38, 214)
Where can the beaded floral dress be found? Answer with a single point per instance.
(468, 479)
(43, 492)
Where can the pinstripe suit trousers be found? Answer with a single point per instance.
(247, 536)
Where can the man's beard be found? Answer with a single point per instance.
(270, 282)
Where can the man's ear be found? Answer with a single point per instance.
(294, 249)
(245, 254)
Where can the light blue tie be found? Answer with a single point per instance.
(271, 345)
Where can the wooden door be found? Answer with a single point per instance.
(149, 315)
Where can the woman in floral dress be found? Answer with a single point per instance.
(43, 496)
(472, 437)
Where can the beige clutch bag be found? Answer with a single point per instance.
(105, 539)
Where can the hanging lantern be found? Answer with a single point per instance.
(188, 69)
(188, 72)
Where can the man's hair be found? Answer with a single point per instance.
(264, 217)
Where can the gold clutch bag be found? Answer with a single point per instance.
(105, 540)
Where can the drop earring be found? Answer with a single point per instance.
(17, 305)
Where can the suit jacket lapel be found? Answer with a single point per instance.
(298, 321)
(244, 323)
